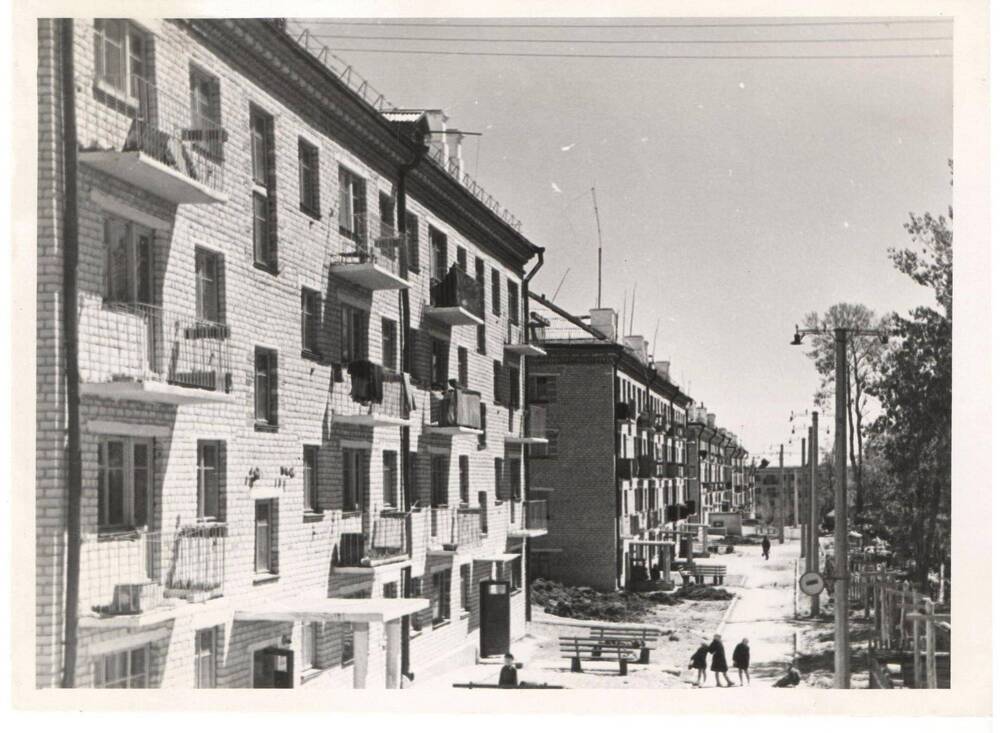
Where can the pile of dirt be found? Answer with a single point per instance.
(702, 593)
(587, 603)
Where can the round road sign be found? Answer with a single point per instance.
(811, 583)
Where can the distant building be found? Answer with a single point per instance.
(718, 475)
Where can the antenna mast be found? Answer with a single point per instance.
(600, 244)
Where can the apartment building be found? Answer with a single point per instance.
(301, 355)
(719, 482)
(613, 468)
(777, 491)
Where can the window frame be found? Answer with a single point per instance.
(495, 297)
(352, 200)
(354, 479)
(311, 310)
(130, 491)
(440, 597)
(209, 288)
(413, 241)
(100, 669)
(310, 479)
(513, 302)
(309, 179)
(463, 366)
(390, 345)
(136, 266)
(439, 479)
(207, 111)
(269, 374)
(390, 479)
(203, 652)
(353, 333)
(130, 32)
(439, 254)
(268, 523)
(263, 185)
(218, 470)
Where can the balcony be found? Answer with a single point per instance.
(135, 351)
(516, 344)
(649, 467)
(644, 420)
(455, 300)
(534, 427)
(456, 412)
(673, 470)
(379, 539)
(140, 576)
(626, 468)
(625, 411)
(130, 129)
(534, 520)
(370, 257)
(457, 528)
(374, 405)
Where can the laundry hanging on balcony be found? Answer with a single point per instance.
(366, 381)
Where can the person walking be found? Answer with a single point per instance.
(741, 660)
(508, 672)
(719, 665)
(699, 663)
(765, 547)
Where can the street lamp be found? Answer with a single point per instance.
(842, 659)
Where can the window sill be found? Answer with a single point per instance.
(271, 269)
(310, 674)
(438, 624)
(265, 427)
(311, 355)
(263, 578)
(111, 534)
(464, 614)
(310, 516)
(309, 211)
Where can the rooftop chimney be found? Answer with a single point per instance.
(711, 420)
(663, 369)
(637, 345)
(453, 151)
(603, 321)
(437, 140)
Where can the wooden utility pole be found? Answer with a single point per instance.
(781, 493)
(842, 656)
(813, 557)
(800, 480)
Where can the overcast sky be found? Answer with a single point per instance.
(734, 194)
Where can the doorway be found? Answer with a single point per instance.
(273, 667)
(494, 621)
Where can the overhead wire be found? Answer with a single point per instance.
(643, 41)
(451, 23)
(640, 57)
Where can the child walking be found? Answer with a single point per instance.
(741, 660)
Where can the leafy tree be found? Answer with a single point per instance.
(914, 432)
(864, 355)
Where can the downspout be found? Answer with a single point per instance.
(404, 327)
(527, 463)
(70, 344)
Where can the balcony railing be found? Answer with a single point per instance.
(137, 343)
(384, 537)
(626, 468)
(625, 411)
(377, 398)
(131, 129)
(456, 409)
(132, 572)
(649, 467)
(534, 421)
(532, 520)
(457, 527)
(457, 289)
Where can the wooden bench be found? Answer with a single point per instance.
(700, 572)
(582, 648)
(641, 640)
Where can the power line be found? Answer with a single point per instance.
(716, 41)
(449, 24)
(839, 57)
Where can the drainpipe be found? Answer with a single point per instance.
(526, 565)
(69, 317)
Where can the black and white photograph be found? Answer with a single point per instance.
(469, 355)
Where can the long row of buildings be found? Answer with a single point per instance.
(298, 421)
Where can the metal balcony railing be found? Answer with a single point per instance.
(535, 515)
(457, 289)
(649, 467)
(457, 527)
(368, 239)
(625, 411)
(534, 421)
(134, 571)
(141, 342)
(131, 114)
(456, 408)
(384, 537)
(626, 468)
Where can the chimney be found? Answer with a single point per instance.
(711, 420)
(453, 150)
(437, 140)
(663, 369)
(603, 321)
(637, 345)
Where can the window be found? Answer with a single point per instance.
(499, 391)
(386, 215)
(264, 556)
(308, 178)
(389, 341)
(346, 644)
(513, 308)
(204, 657)
(355, 461)
(206, 114)
(439, 363)
(481, 339)
(463, 479)
(441, 596)
(482, 425)
(120, 58)
(548, 450)
(266, 387)
(311, 632)
(311, 308)
(128, 262)
(439, 480)
(463, 366)
(514, 387)
(439, 254)
(515, 574)
(353, 334)
(413, 241)
(515, 479)
(390, 590)
(353, 206)
(461, 258)
(542, 388)
(208, 285)
(125, 669)
(417, 591)
(498, 478)
(495, 290)
(390, 482)
(465, 575)
(124, 475)
(481, 305)
(310, 478)
(211, 478)
(265, 226)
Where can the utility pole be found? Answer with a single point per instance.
(781, 494)
(812, 562)
(600, 245)
(842, 658)
(799, 483)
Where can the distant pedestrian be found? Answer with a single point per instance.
(719, 665)
(741, 660)
(791, 678)
(508, 672)
(699, 663)
(765, 547)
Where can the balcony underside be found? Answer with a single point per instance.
(371, 421)
(524, 349)
(526, 533)
(145, 172)
(524, 440)
(369, 565)
(152, 391)
(451, 430)
(369, 275)
(170, 609)
(453, 315)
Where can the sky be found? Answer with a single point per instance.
(735, 195)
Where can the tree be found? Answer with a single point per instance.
(864, 356)
(914, 431)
